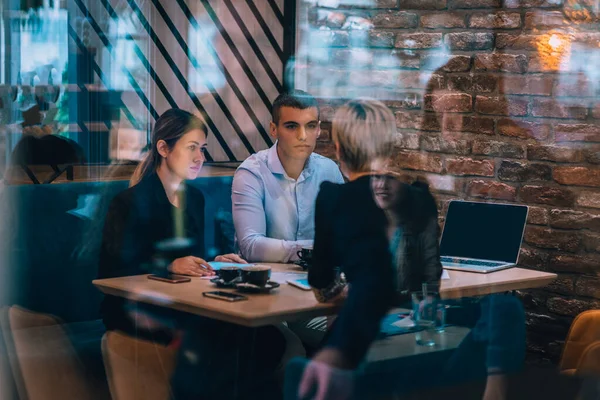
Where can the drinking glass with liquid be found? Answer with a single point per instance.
(428, 315)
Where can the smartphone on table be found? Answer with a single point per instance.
(169, 278)
(300, 283)
(226, 296)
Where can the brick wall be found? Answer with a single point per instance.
(495, 100)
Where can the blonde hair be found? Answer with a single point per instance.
(364, 130)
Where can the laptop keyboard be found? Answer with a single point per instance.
(471, 263)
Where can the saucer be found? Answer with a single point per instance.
(301, 263)
(251, 288)
(222, 284)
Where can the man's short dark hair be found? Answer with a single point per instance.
(298, 99)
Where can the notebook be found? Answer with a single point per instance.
(217, 265)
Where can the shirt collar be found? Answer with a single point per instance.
(275, 166)
(273, 161)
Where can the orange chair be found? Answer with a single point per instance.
(8, 389)
(137, 369)
(581, 354)
(590, 360)
(43, 360)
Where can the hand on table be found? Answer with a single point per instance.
(322, 376)
(232, 258)
(191, 266)
(341, 297)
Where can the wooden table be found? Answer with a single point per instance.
(469, 284)
(288, 303)
(285, 304)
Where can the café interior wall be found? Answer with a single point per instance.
(495, 101)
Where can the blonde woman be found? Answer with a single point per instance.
(350, 233)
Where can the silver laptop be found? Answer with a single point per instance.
(482, 237)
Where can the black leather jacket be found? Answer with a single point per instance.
(417, 256)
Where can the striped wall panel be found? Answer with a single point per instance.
(221, 59)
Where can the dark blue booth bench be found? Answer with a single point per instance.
(50, 239)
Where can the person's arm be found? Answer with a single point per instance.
(322, 275)
(367, 261)
(422, 207)
(430, 250)
(200, 204)
(504, 318)
(250, 223)
(369, 299)
(121, 254)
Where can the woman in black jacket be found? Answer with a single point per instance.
(380, 233)
(413, 231)
(350, 235)
(143, 215)
(158, 206)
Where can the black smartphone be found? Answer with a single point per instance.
(170, 278)
(226, 296)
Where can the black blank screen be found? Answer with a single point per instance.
(484, 231)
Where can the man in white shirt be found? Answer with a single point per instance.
(274, 190)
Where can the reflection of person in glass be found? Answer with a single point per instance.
(495, 346)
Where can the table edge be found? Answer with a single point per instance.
(238, 319)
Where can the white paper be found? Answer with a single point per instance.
(445, 274)
(283, 277)
(405, 322)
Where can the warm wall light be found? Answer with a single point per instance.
(553, 48)
(555, 42)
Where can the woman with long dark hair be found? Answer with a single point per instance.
(413, 231)
(144, 214)
(159, 205)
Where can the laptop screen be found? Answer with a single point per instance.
(483, 231)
